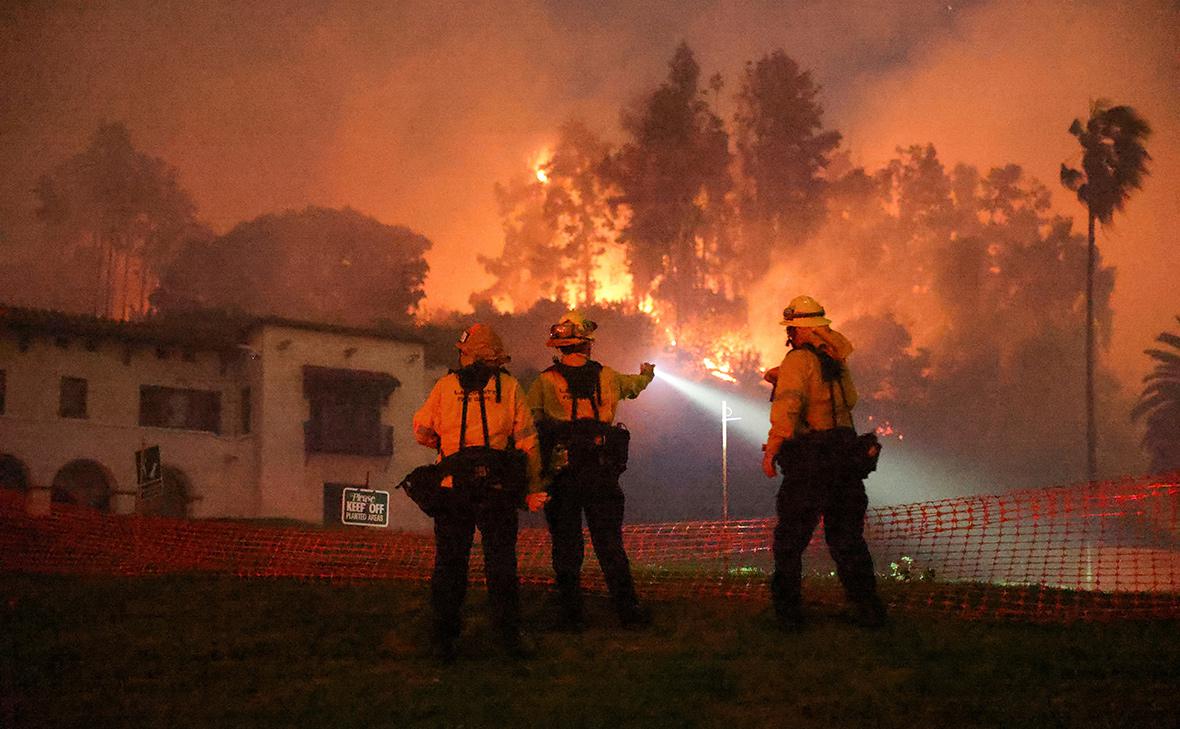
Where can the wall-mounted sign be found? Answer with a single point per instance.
(148, 473)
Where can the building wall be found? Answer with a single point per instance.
(217, 467)
(264, 473)
(291, 481)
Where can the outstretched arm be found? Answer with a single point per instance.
(631, 385)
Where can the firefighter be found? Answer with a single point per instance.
(811, 437)
(574, 403)
(478, 420)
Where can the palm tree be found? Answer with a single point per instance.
(1160, 403)
(1114, 162)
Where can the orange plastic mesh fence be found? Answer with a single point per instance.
(1095, 551)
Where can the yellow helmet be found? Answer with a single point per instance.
(804, 311)
(572, 328)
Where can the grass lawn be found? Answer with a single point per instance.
(224, 652)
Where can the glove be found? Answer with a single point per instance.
(768, 464)
(426, 437)
(535, 501)
(648, 369)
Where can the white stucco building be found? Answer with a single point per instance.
(254, 418)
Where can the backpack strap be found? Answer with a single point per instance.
(469, 381)
(584, 383)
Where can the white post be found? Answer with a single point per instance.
(726, 416)
(725, 413)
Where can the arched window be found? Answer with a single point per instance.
(85, 483)
(13, 474)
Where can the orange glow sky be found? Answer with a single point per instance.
(411, 111)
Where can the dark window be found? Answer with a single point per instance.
(3, 390)
(247, 410)
(345, 408)
(73, 398)
(174, 407)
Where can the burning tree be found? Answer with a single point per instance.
(783, 152)
(673, 178)
(560, 236)
(953, 283)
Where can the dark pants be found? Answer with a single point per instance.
(597, 494)
(454, 531)
(817, 483)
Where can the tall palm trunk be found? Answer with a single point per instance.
(1091, 428)
(108, 283)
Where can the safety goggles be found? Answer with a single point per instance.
(571, 330)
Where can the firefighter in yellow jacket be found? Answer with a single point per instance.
(811, 437)
(574, 403)
(478, 420)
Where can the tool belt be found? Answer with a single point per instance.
(475, 472)
(584, 444)
(424, 487)
(858, 452)
(479, 470)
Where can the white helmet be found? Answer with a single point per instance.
(804, 311)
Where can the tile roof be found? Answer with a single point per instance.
(201, 330)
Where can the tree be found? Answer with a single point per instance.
(529, 266)
(318, 264)
(1114, 162)
(120, 215)
(1159, 405)
(576, 204)
(968, 332)
(557, 227)
(783, 152)
(673, 178)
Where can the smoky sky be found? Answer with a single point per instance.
(412, 111)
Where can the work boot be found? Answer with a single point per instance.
(790, 618)
(571, 621)
(870, 613)
(634, 615)
(444, 650)
(572, 613)
(518, 645)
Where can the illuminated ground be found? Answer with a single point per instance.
(267, 653)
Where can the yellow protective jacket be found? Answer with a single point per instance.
(437, 423)
(803, 401)
(549, 395)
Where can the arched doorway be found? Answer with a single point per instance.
(170, 498)
(13, 474)
(85, 483)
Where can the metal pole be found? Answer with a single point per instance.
(725, 413)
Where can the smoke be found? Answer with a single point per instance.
(1006, 87)
(410, 111)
